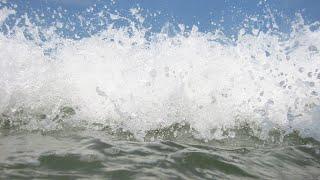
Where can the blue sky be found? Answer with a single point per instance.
(206, 14)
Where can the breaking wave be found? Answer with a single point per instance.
(119, 75)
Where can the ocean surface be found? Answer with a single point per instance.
(84, 154)
(99, 94)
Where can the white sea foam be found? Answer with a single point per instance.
(120, 79)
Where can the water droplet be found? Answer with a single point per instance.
(153, 73)
(267, 53)
(314, 93)
(261, 93)
(313, 48)
(311, 84)
(281, 83)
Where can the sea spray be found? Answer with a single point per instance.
(130, 79)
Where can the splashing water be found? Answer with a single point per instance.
(99, 94)
(139, 81)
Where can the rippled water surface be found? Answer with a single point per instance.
(95, 154)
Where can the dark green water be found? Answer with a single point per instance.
(98, 155)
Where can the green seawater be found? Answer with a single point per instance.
(93, 154)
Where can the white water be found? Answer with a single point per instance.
(124, 81)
